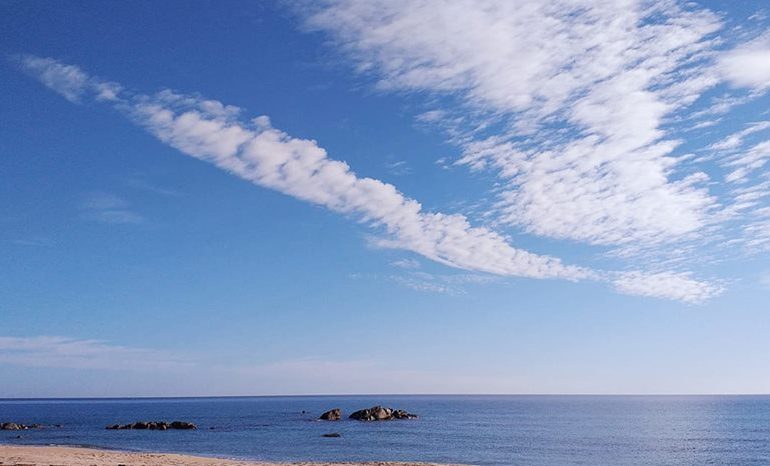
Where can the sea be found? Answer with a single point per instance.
(477, 430)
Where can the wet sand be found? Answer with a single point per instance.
(18, 455)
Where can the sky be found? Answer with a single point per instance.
(432, 196)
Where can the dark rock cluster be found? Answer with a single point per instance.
(375, 413)
(155, 425)
(331, 415)
(15, 426)
(378, 413)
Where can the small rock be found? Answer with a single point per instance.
(331, 415)
(378, 413)
(183, 425)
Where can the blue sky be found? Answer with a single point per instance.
(384, 197)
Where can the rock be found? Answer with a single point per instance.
(378, 413)
(16, 426)
(183, 425)
(154, 425)
(331, 415)
(382, 414)
(401, 414)
(332, 435)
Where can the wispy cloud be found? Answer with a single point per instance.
(748, 65)
(191, 375)
(538, 70)
(668, 285)
(579, 108)
(108, 208)
(399, 168)
(255, 151)
(406, 263)
(71, 353)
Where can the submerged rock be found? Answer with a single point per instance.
(378, 413)
(15, 426)
(154, 425)
(331, 415)
(184, 425)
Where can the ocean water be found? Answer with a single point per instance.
(481, 430)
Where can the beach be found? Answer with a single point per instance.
(18, 455)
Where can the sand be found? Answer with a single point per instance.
(18, 455)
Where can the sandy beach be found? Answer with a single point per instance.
(13, 455)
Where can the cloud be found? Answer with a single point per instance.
(745, 163)
(406, 263)
(67, 80)
(428, 286)
(736, 140)
(257, 152)
(98, 368)
(399, 168)
(71, 353)
(748, 65)
(108, 208)
(578, 92)
(668, 285)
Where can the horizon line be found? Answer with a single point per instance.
(182, 397)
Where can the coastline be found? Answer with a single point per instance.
(39, 455)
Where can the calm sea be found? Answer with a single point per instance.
(482, 430)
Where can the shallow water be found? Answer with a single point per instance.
(483, 430)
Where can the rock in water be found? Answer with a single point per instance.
(401, 414)
(378, 413)
(154, 425)
(331, 415)
(16, 426)
(183, 425)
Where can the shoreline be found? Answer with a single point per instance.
(48, 455)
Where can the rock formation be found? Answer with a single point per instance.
(331, 415)
(154, 425)
(15, 426)
(378, 413)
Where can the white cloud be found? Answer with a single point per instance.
(71, 353)
(745, 163)
(257, 152)
(668, 285)
(428, 286)
(585, 86)
(406, 263)
(298, 167)
(736, 140)
(67, 80)
(748, 65)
